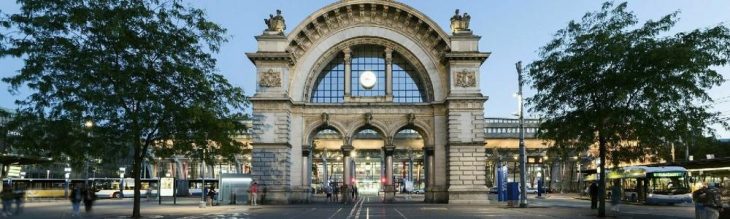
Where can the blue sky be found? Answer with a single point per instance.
(511, 30)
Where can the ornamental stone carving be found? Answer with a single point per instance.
(270, 79)
(276, 24)
(460, 23)
(466, 79)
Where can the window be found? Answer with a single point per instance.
(368, 58)
(405, 89)
(331, 85)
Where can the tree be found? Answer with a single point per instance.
(140, 70)
(626, 86)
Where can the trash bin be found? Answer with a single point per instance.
(513, 193)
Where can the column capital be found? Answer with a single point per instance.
(389, 149)
(429, 149)
(346, 149)
(306, 150)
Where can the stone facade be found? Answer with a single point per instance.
(450, 119)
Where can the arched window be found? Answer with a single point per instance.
(406, 86)
(330, 86)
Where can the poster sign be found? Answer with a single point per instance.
(166, 186)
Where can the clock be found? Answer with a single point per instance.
(367, 79)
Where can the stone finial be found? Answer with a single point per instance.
(460, 23)
(276, 24)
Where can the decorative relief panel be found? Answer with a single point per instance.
(270, 79)
(466, 79)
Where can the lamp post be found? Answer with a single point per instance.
(66, 175)
(122, 170)
(88, 125)
(202, 188)
(523, 177)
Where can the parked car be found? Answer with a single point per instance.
(419, 191)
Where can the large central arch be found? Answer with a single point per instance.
(405, 48)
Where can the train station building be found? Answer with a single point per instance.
(360, 82)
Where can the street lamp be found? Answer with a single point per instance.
(121, 181)
(523, 177)
(88, 125)
(66, 175)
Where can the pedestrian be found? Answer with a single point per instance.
(352, 192)
(699, 197)
(19, 197)
(336, 195)
(7, 196)
(328, 191)
(713, 202)
(254, 193)
(89, 198)
(355, 193)
(76, 198)
(616, 196)
(211, 196)
(594, 195)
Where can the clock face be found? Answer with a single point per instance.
(367, 79)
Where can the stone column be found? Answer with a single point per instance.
(389, 187)
(346, 172)
(430, 173)
(348, 71)
(389, 74)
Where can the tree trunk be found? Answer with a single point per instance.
(602, 175)
(137, 181)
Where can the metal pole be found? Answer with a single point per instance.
(523, 179)
(159, 182)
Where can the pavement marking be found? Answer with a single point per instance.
(333, 215)
(359, 208)
(401, 214)
(432, 208)
(367, 213)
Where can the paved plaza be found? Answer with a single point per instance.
(369, 206)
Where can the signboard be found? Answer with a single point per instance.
(166, 186)
(668, 174)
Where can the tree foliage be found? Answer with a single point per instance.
(632, 88)
(140, 70)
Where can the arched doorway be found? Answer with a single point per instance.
(409, 162)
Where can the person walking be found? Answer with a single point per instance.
(7, 196)
(76, 198)
(713, 202)
(211, 196)
(616, 196)
(254, 193)
(328, 192)
(699, 197)
(594, 195)
(89, 198)
(19, 197)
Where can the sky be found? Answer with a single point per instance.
(511, 30)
